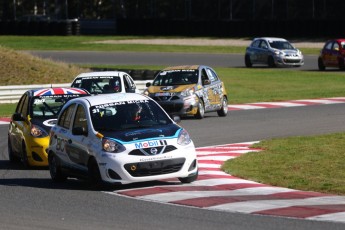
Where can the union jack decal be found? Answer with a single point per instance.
(58, 91)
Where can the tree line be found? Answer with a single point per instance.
(210, 10)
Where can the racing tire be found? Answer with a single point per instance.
(247, 61)
(10, 152)
(55, 169)
(201, 110)
(320, 64)
(24, 156)
(224, 109)
(190, 179)
(94, 175)
(270, 62)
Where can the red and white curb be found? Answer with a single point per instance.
(292, 103)
(4, 121)
(217, 190)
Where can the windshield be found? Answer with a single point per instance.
(128, 115)
(176, 77)
(281, 45)
(99, 84)
(47, 107)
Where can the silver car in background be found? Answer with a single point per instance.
(274, 52)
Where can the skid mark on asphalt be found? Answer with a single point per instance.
(217, 190)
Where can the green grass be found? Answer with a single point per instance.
(248, 85)
(7, 109)
(87, 43)
(313, 163)
(267, 85)
(252, 85)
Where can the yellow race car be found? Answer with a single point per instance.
(36, 112)
(189, 90)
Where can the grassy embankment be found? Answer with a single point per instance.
(306, 163)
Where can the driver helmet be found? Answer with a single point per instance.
(117, 86)
(134, 111)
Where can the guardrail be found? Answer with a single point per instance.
(12, 93)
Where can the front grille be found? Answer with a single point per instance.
(148, 152)
(172, 108)
(292, 60)
(166, 98)
(152, 168)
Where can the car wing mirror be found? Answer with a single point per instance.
(206, 82)
(79, 131)
(148, 84)
(18, 117)
(176, 118)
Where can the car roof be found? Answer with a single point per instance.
(189, 67)
(57, 91)
(271, 39)
(339, 39)
(102, 73)
(101, 99)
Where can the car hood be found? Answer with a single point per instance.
(157, 132)
(170, 89)
(45, 124)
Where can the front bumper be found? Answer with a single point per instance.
(36, 151)
(123, 168)
(178, 105)
(289, 61)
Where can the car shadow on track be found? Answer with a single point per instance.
(71, 184)
(6, 164)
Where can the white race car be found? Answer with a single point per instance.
(103, 82)
(119, 138)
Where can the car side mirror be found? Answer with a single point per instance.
(206, 82)
(148, 84)
(79, 131)
(18, 117)
(176, 118)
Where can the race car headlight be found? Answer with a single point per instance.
(183, 138)
(37, 131)
(278, 53)
(112, 146)
(188, 92)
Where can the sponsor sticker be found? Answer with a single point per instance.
(155, 158)
(149, 144)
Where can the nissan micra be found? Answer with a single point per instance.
(273, 52)
(36, 112)
(119, 138)
(190, 90)
(103, 82)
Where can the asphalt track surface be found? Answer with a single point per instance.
(165, 59)
(29, 200)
